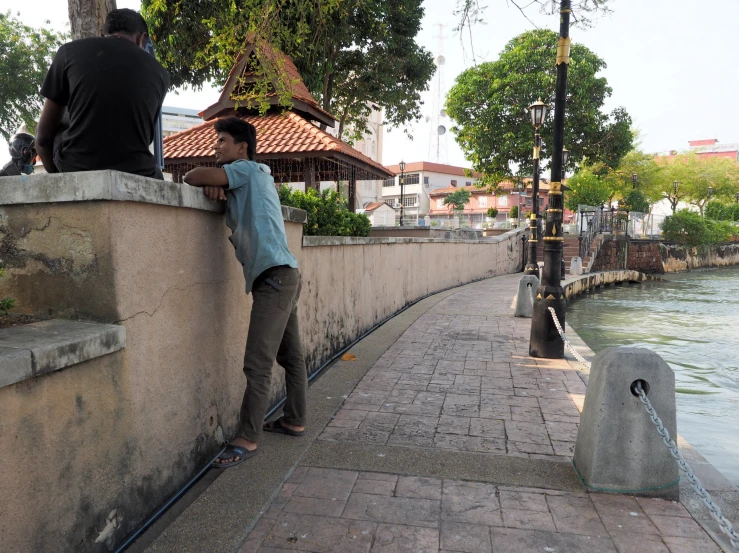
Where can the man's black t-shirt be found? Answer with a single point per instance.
(113, 91)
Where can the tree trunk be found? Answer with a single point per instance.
(87, 17)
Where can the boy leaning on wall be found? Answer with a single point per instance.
(254, 215)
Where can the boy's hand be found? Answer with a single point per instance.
(215, 192)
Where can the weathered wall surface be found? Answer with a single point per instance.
(88, 452)
(653, 257)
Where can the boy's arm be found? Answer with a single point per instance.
(212, 179)
(51, 118)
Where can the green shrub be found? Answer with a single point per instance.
(492, 212)
(720, 211)
(514, 212)
(6, 304)
(327, 213)
(690, 229)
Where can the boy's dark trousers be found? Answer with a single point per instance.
(273, 334)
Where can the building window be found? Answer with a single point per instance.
(426, 181)
(390, 202)
(410, 201)
(389, 182)
(482, 201)
(412, 178)
(454, 183)
(440, 203)
(502, 201)
(468, 183)
(528, 201)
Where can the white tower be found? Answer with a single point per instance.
(437, 119)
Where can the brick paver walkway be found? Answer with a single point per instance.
(460, 379)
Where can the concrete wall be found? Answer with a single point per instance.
(654, 257)
(90, 451)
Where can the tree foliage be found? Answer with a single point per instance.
(328, 215)
(722, 211)
(689, 228)
(489, 104)
(458, 199)
(353, 55)
(25, 56)
(587, 187)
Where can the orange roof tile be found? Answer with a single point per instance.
(414, 166)
(278, 135)
(506, 186)
(374, 205)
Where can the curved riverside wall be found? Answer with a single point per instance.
(655, 257)
(92, 449)
(583, 283)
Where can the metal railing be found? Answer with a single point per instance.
(595, 221)
(705, 497)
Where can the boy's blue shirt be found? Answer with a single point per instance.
(254, 215)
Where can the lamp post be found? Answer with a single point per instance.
(565, 159)
(545, 340)
(538, 114)
(519, 187)
(402, 184)
(634, 179)
(736, 197)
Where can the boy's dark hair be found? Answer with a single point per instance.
(241, 132)
(125, 21)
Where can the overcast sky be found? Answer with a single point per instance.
(671, 63)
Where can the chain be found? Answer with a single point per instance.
(574, 352)
(714, 509)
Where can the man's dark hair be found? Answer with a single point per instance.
(241, 132)
(125, 21)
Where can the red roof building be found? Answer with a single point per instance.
(290, 142)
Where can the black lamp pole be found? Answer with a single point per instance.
(538, 113)
(402, 185)
(545, 340)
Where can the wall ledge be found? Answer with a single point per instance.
(316, 241)
(112, 186)
(48, 346)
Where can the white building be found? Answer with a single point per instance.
(379, 213)
(421, 178)
(175, 120)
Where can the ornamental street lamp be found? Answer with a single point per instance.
(565, 159)
(634, 179)
(545, 340)
(402, 184)
(675, 186)
(519, 187)
(710, 191)
(538, 114)
(736, 197)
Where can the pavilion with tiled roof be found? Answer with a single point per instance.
(290, 142)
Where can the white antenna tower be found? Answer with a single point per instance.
(438, 120)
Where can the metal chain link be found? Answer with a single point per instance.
(574, 352)
(714, 509)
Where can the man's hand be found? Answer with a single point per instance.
(48, 125)
(215, 192)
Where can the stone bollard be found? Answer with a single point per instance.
(524, 299)
(618, 448)
(576, 266)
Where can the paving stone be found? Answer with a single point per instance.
(393, 510)
(690, 545)
(629, 542)
(523, 500)
(465, 538)
(256, 536)
(326, 484)
(355, 436)
(655, 506)
(487, 428)
(374, 487)
(562, 431)
(419, 487)
(575, 515)
(565, 449)
(470, 443)
(527, 432)
(377, 476)
(682, 527)
(470, 502)
(453, 425)
(411, 409)
(511, 540)
(532, 520)
(526, 414)
(403, 539)
(459, 405)
(317, 534)
(559, 407)
(379, 422)
(314, 506)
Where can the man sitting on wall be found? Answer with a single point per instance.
(112, 91)
(254, 215)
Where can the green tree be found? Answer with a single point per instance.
(587, 188)
(691, 229)
(513, 214)
(492, 212)
(458, 199)
(354, 55)
(699, 178)
(635, 200)
(489, 104)
(25, 56)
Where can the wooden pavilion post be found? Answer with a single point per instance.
(309, 174)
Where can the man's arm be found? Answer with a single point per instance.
(213, 179)
(51, 118)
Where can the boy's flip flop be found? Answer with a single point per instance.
(278, 428)
(230, 452)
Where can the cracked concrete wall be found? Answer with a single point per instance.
(156, 411)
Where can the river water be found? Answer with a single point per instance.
(692, 321)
